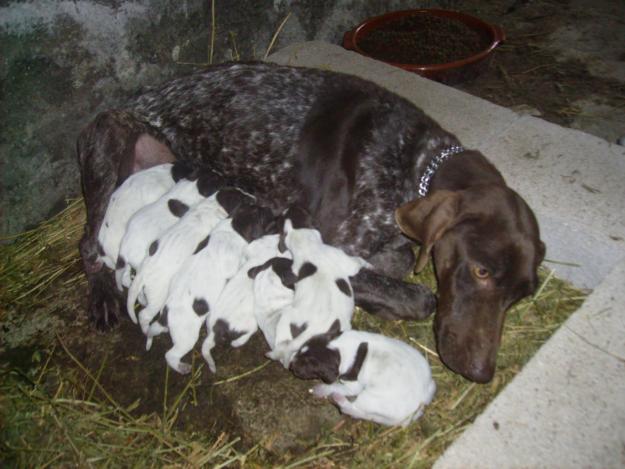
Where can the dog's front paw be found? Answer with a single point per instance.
(104, 306)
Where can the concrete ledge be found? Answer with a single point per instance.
(566, 408)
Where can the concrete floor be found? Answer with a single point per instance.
(566, 408)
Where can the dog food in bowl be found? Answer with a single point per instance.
(440, 44)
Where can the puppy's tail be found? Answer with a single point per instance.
(133, 293)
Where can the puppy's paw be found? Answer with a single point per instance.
(320, 390)
(338, 399)
(183, 368)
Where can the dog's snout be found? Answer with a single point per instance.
(480, 372)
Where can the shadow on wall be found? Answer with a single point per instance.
(63, 61)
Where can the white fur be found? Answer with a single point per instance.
(174, 247)
(148, 224)
(270, 297)
(317, 302)
(236, 302)
(202, 276)
(394, 384)
(140, 189)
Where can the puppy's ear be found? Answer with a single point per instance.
(254, 271)
(231, 198)
(180, 170)
(209, 182)
(283, 267)
(427, 219)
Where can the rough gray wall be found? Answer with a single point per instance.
(63, 61)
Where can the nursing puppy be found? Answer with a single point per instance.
(368, 376)
(273, 290)
(167, 254)
(139, 190)
(196, 288)
(232, 320)
(153, 220)
(322, 291)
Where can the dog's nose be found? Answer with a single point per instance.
(480, 372)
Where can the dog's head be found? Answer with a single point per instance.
(316, 360)
(486, 250)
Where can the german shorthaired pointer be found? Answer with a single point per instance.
(352, 153)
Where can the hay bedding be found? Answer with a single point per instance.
(55, 410)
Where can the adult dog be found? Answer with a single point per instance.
(351, 153)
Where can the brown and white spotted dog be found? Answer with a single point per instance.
(351, 153)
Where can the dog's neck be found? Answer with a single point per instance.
(463, 170)
(434, 163)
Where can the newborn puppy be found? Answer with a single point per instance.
(139, 190)
(368, 376)
(322, 292)
(167, 254)
(232, 320)
(195, 289)
(153, 220)
(273, 290)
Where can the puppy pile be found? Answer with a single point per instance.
(192, 251)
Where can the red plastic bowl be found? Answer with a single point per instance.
(451, 72)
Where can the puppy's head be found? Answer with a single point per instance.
(316, 359)
(251, 221)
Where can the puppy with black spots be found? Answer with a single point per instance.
(154, 219)
(199, 283)
(139, 190)
(368, 376)
(322, 290)
(273, 290)
(232, 319)
(167, 254)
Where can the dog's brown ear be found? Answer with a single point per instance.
(427, 219)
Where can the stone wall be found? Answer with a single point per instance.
(63, 61)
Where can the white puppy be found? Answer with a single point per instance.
(323, 293)
(167, 254)
(232, 320)
(273, 290)
(368, 376)
(194, 290)
(154, 219)
(140, 189)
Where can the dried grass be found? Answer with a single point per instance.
(55, 415)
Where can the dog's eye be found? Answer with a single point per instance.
(480, 272)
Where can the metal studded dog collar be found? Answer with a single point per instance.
(426, 178)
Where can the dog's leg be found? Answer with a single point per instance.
(390, 298)
(109, 149)
(396, 259)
